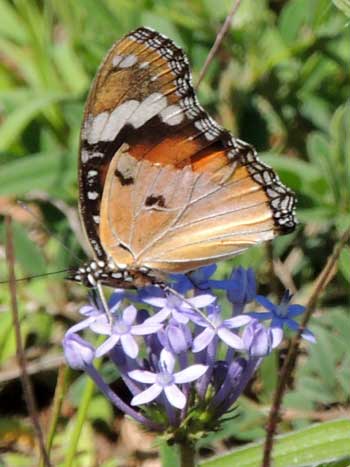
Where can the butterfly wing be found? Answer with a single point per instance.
(162, 184)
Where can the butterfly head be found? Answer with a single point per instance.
(94, 272)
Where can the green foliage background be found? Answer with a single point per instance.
(281, 81)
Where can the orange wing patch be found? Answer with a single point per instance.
(176, 219)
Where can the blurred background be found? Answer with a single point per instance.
(281, 81)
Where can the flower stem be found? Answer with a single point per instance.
(187, 454)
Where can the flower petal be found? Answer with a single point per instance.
(200, 301)
(129, 314)
(143, 376)
(175, 397)
(148, 395)
(261, 344)
(295, 310)
(81, 325)
(129, 345)
(146, 328)
(101, 326)
(309, 336)
(237, 321)
(78, 353)
(167, 360)
(231, 339)
(107, 345)
(88, 310)
(265, 302)
(261, 316)
(203, 339)
(158, 302)
(177, 338)
(291, 324)
(160, 316)
(189, 374)
(277, 336)
(180, 317)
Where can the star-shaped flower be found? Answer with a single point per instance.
(93, 313)
(222, 328)
(179, 309)
(124, 331)
(281, 315)
(166, 380)
(199, 279)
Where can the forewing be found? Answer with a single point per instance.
(180, 190)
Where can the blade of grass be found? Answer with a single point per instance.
(219, 38)
(27, 388)
(290, 361)
(60, 392)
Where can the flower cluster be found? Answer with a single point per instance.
(184, 357)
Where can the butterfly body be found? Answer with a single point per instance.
(163, 188)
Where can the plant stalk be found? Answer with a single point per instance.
(187, 454)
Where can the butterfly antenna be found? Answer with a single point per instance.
(35, 276)
(25, 206)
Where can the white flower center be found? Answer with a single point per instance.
(121, 327)
(165, 379)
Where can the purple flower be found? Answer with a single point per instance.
(187, 332)
(93, 313)
(176, 337)
(199, 279)
(281, 315)
(166, 380)
(242, 286)
(257, 340)
(78, 353)
(123, 330)
(179, 309)
(221, 328)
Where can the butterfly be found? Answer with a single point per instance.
(163, 187)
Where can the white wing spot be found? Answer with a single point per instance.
(97, 127)
(118, 118)
(87, 155)
(127, 61)
(92, 195)
(149, 108)
(92, 173)
(116, 60)
(172, 115)
(96, 219)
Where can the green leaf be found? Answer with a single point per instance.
(11, 25)
(344, 263)
(15, 123)
(343, 5)
(292, 17)
(168, 454)
(70, 68)
(322, 442)
(27, 253)
(37, 171)
(100, 409)
(316, 110)
(319, 151)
